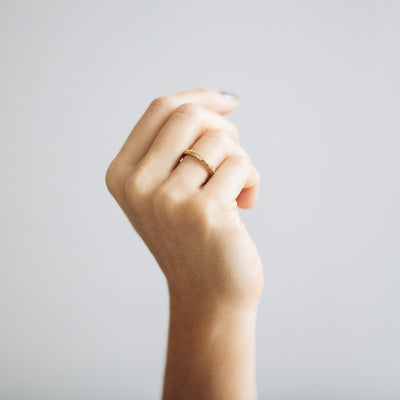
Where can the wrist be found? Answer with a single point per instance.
(213, 301)
(210, 312)
(210, 351)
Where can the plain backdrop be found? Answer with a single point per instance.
(83, 306)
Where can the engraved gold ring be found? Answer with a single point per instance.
(199, 157)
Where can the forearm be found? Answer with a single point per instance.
(210, 353)
(188, 217)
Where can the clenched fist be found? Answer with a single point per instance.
(189, 219)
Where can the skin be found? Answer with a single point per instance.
(192, 227)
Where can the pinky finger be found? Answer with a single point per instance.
(235, 179)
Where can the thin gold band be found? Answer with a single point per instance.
(195, 154)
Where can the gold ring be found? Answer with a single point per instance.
(196, 155)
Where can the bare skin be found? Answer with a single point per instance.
(192, 227)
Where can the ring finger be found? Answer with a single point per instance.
(214, 146)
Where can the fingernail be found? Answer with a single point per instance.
(230, 96)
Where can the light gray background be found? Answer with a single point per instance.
(84, 308)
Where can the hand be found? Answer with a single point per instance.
(191, 224)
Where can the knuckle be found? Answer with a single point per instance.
(188, 110)
(113, 177)
(217, 136)
(232, 130)
(161, 103)
(163, 196)
(235, 131)
(200, 214)
(240, 160)
(165, 201)
(136, 186)
(256, 173)
(203, 90)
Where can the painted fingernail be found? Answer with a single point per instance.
(230, 96)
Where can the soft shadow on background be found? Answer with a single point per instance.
(83, 306)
